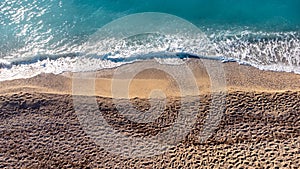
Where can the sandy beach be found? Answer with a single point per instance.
(259, 128)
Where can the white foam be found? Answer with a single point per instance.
(277, 51)
(57, 66)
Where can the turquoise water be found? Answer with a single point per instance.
(39, 33)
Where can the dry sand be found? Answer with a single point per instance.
(260, 127)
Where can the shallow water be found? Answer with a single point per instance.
(51, 36)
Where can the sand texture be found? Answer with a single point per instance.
(259, 127)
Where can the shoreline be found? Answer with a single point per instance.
(238, 78)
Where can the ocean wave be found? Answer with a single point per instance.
(262, 48)
(59, 36)
(277, 51)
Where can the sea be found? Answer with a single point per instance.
(56, 36)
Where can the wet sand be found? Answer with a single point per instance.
(259, 128)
